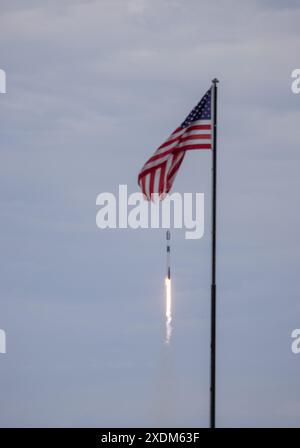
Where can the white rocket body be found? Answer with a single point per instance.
(168, 237)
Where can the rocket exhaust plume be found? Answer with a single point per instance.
(168, 293)
(168, 311)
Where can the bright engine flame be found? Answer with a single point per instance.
(168, 310)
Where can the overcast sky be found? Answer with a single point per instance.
(93, 87)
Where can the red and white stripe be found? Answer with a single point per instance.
(159, 172)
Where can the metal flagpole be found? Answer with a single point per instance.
(213, 262)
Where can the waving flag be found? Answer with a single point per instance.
(158, 173)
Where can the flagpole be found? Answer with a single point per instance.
(213, 262)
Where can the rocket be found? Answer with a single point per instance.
(168, 290)
(168, 238)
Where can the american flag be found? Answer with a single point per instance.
(158, 173)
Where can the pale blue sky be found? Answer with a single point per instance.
(93, 87)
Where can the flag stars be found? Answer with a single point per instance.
(201, 111)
